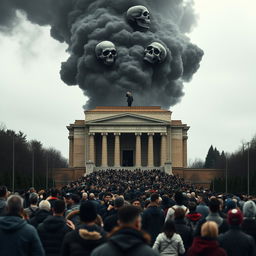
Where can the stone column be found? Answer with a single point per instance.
(138, 150)
(150, 150)
(104, 151)
(117, 150)
(92, 147)
(163, 155)
(71, 150)
(185, 160)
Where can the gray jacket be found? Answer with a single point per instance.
(169, 246)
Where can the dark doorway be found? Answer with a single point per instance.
(127, 158)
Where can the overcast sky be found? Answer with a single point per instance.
(219, 103)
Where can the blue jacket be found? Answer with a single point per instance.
(18, 238)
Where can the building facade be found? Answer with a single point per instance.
(130, 137)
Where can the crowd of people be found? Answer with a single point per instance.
(121, 212)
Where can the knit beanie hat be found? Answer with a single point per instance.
(87, 211)
(249, 209)
(235, 217)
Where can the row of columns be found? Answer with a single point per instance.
(117, 151)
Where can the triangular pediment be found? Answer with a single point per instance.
(127, 119)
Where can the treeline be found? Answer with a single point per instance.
(31, 162)
(237, 165)
(240, 167)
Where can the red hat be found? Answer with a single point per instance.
(235, 217)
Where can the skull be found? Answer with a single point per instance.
(139, 16)
(155, 53)
(106, 52)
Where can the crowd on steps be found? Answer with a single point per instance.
(122, 212)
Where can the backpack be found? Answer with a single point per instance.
(33, 212)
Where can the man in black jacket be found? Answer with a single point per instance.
(235, 241)
(127, 239)
(111, 221)
(17, 236)
(87, 236)
(153, 218)
(53, 229)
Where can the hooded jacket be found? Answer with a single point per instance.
(185, 231)
(237, 243)
(82, 241)
(125, 241)
(169, 246)
(193, 218)
(52, 232)
(18, 238)
(152, 221)
(205, 247)
(39, 217)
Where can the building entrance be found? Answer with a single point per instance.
(127, 158)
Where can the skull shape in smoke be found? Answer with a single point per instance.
(106, 52)
(138, 16)
(155, 53)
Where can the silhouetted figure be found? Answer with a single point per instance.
(129, 99)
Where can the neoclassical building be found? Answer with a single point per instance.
(130, 137)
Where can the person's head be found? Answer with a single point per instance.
(154, 198)
(249, 209)
(87, 212)
(214, 205)
(84, 196)
(136, 202)
(58, 207)
(33, 198)
(179, 214)
(14, 205)
(210, 230)
(235, 217)
(3, 192)
(45, 205)
(129, 215)
(54, 192)
(91, 196)
(169, 228)
(179, 198)
(75, 199)
(118, 202)
(107, 197)
(192, 207)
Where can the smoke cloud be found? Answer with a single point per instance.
(82, 24)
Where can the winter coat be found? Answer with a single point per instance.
(39, 217)
(82, 241)
(126, 241)
(237, 243)
(205, 247)
(185, 231)
(249, 227)
(18, 238)
(111, 222)
(2, 206)
(192, 219)
(52, 232)
(169, 246)
(152, 221)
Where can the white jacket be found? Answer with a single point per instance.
(169, 246)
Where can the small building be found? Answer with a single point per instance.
(130, 137)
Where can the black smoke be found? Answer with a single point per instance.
(82, 24)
